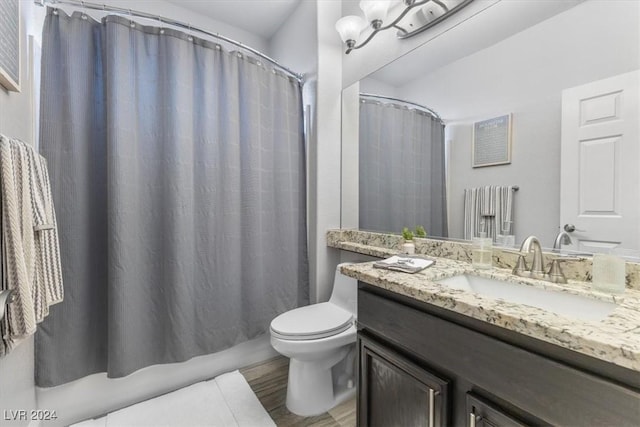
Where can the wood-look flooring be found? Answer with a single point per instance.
(268, 380)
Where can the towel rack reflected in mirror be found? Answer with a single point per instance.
(5, 298)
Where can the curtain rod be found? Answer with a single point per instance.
(168, 21)
(388, 98)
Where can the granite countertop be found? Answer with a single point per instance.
(615, 339)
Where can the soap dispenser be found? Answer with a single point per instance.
(482, 251)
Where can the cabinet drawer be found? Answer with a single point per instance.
(556, 393)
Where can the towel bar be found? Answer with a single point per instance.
(5, 298)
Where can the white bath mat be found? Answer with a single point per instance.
(225, 401)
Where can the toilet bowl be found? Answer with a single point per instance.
(319, 340)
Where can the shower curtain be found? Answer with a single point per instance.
(177, 169)
(402, 169)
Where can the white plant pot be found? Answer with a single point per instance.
(409, 248)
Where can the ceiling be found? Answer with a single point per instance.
(260, 17)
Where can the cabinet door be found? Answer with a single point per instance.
(393, 391)
(481, 413)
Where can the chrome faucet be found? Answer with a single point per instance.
(536, 271)
(562, 238)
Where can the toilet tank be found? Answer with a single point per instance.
(345, 291)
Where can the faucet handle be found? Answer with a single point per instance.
(520, 268)
(555, 272)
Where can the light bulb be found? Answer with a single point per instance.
(350, 27)
(375, 11)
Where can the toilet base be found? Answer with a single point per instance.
(312, 388)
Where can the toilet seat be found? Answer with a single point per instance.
(311, 322)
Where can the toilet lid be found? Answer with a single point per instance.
(312, 322)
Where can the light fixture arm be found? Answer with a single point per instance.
(352, 27)
(391, 25)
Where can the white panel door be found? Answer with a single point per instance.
(600, 162)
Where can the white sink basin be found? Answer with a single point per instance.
(558, 302)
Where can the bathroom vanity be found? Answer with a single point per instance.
(434, 355)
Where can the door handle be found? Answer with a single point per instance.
(570, 228)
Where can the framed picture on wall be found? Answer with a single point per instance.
(492, 142)
(10, 44)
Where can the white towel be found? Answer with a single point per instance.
(30, 252)
(226, 401)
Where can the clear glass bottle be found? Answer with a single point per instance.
(608, 273)
(482, 251)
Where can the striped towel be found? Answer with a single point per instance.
(488, 200)
(491, 206)
(30, 250)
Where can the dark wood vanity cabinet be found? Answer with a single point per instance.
(420, 365)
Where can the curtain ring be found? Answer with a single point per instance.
(131, 23)
(190, 37)
(161, 27)
(84, 14)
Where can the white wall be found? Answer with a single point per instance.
(350, 153)
(324, 173)
(525, 75)
(17, 390)
(295, 43)
(377, 87)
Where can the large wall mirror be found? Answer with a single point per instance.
(565, 90)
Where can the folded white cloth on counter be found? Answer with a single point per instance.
(406, 264)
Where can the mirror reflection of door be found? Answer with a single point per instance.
(600, 181)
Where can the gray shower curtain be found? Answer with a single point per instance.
(402, 169)
(177, 170)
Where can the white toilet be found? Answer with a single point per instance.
(320, 341)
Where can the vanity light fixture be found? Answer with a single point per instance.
(411, 18)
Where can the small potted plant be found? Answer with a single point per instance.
(408, 247)
(421, 232)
